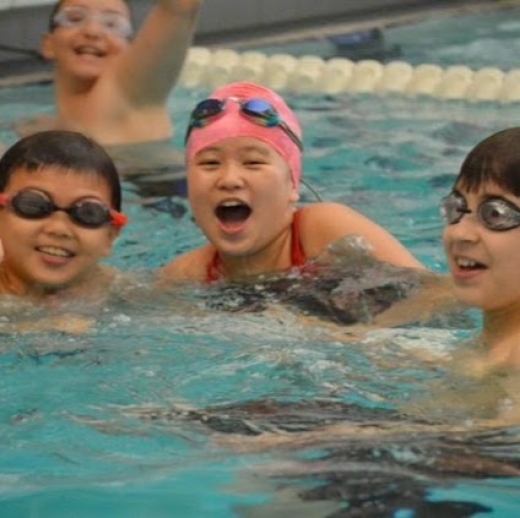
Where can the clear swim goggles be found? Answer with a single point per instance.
(495, 213)
(77, 15)
(257, 110)
(87, 213)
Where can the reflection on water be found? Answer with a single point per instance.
(399, 474)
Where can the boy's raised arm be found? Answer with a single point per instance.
(149, 68)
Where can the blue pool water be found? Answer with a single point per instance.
(476, 39)
(128, 420)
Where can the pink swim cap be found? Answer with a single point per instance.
(233, 124)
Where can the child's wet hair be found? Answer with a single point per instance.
(66, 150)
(494, 160)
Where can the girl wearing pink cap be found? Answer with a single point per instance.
(243, 158)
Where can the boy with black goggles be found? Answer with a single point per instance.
(257, 110)
(495, 213)
(46, 254)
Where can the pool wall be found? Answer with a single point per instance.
(23, 21)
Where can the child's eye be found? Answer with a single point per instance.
(76, 17)
(208, 162)
(254, 162)
(110, 23)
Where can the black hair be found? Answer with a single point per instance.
(57, 6)
(496, 160)
(68, 150)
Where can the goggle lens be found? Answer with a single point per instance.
(203, 113)
(31, 205)
(262, 112)
(453, 207)
(499, 214)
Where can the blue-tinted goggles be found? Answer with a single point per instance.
(494, 213)
(257, 110)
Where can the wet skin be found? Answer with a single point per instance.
(52, 253)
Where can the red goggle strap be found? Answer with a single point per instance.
(118, 219)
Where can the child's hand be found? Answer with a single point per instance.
(72, 324)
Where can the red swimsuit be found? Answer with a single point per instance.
(297, 254)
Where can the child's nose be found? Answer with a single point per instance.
(467, 229)
(92, 25)
(231, 176)
(59, 224)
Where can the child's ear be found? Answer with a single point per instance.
(295, 196)
(46, 46)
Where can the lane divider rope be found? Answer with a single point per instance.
(312, 74)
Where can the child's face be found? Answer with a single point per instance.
(241, 194)
(84, 49)
(484, 263)
(53, 252)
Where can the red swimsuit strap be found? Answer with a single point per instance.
(297, 254)
(213, 268)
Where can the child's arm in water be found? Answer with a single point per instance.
(434, 297)
(66, 323)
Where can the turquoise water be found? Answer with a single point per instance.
(478, 39)
(99, 425)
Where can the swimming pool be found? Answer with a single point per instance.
(126, 419)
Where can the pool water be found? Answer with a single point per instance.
(134, 418)
(482, 38)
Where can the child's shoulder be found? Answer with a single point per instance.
(319, 212)
(189, 266)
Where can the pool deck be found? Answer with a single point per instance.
(398, 15)
(32, 69)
